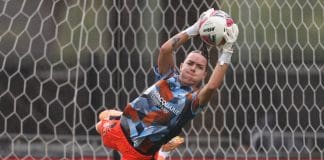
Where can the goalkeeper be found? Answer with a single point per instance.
(161, 111)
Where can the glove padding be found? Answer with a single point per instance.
(231, 33)
(230, 37)
(227, 50)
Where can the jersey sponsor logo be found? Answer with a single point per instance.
(156, 97)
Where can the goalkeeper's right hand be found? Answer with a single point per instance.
(194, 29)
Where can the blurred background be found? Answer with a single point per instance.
(64, 61)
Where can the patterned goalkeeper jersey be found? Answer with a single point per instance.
(156, 116)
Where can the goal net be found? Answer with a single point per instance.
(64, 61)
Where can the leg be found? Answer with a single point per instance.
(109, 112)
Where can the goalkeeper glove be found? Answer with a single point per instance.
(226, 50)
(194, 29)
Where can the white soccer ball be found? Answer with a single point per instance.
(212, 27)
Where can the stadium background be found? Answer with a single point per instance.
(64, 61)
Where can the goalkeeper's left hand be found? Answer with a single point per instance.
(226, 50)
(231, 34)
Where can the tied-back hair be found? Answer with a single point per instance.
(204, 52)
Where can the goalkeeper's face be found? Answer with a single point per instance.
(193, 70)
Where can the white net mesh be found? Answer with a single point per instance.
(62, 62)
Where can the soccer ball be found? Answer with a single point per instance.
(212, 27)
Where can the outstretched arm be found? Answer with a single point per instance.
(166, 59)
(214, 82)
(221, 67)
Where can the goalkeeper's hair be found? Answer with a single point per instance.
(203, 51)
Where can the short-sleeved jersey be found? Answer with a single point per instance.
(157, 115)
